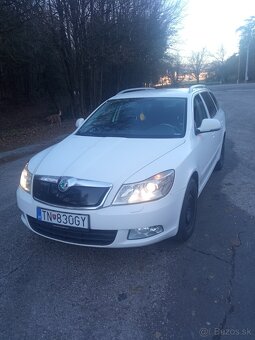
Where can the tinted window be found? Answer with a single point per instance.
(209, 103)
(138, 118)
(215, 100)
(199, 111)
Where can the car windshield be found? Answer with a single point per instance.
(138, 118)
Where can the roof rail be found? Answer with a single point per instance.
(136, 89)
(196, 87)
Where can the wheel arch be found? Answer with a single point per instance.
(194, 176)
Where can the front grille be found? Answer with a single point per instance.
(71, 234)
(76, 196)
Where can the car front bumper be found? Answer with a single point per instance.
(112, 222)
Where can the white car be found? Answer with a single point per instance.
(131, 173)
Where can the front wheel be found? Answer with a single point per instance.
(188, 213)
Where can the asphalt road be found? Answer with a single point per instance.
(203, 289)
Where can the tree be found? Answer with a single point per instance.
(18, 47)
(197, 63)
(76, 53)
(247, 50)
(231, 69)
(172, 66)
(218, 65)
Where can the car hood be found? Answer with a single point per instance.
(107, 159)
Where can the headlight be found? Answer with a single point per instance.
(151, 189)
(26, 179)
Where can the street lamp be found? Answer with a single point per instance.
(246, 78)
(251, 31)
(238, 69)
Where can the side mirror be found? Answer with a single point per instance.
(209, 125)
(79, 122)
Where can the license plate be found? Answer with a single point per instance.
(66, 219)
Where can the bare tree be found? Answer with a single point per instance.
(82, 51)
(217, 66)
(172, 66)
(197, 63)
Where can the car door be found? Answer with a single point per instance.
(214, 112)
(203, 142)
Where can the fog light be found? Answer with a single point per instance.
(138, 233)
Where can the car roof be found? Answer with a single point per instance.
(150, 92)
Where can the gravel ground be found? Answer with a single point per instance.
(13, 138)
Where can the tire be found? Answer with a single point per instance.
(188, 213)
(220, 163)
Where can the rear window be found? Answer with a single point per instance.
(138, 118)
(212, 109)
(215, 100)
(199, 111)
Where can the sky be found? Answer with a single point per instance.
(213, 23)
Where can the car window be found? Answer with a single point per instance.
(212, 109)
(215, 100)
(199, 111)
(138, 118)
